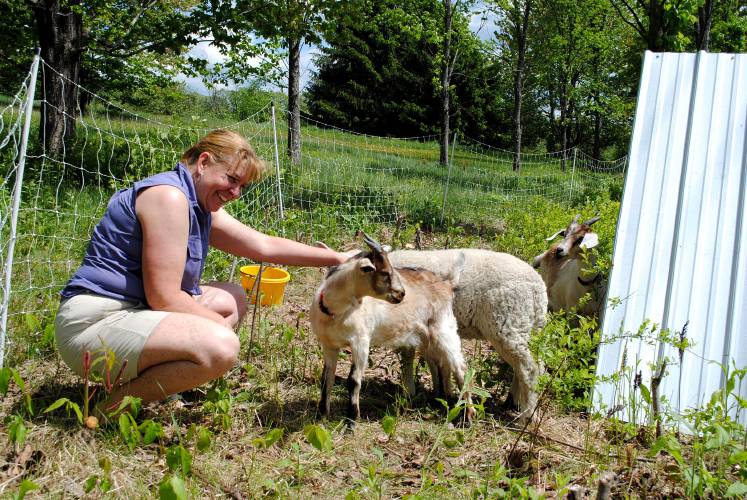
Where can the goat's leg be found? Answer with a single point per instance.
(328, 378)
(407, 368)
(435, 375)
(359, 350)
(459, 371)
(447, 348)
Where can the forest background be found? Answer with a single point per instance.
(541, 75)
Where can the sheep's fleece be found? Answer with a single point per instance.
(499, 298)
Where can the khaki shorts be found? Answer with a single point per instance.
(99, 324)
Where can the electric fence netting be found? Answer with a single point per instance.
(344, 181)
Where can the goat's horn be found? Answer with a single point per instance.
(592, 220)
(375, 246)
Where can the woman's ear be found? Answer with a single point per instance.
(202, 161)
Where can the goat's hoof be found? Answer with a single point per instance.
(470, 414)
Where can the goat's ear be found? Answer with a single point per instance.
(590, 241)
(559, 233)
(537, 261)
(367, 266)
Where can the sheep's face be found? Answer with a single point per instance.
(381, 277)
(576, 238)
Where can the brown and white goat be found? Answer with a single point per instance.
(366, 302)
(565, 273)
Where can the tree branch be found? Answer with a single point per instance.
(147, 4)
(636, 23)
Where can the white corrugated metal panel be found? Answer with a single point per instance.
(680, 252)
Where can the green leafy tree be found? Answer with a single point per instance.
(118, 47)
(16, 42)
(512, 44)
(374, 72)
(291, 23)
(728, 32)
(380, 72)
(681, 25)
(448, 56)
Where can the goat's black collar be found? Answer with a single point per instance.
(588, 282)
(324, 308)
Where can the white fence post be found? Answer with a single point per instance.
(16, 204)
(448, 179)
(573, 173)
(277, 164)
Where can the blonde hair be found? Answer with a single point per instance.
(229, 148)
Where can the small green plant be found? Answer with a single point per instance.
(389, 425)
(104, 483)
(68, 405)
(369, 486)
(179, 462)
(219, 402)
(172, 488)
(272, 437)
(202, 435)
(499, 484)
(25, 486)
(714, 466)
(89, 362)
(17, 430)
(318, 437)
(6, 375)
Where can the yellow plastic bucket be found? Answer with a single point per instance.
(271, 287)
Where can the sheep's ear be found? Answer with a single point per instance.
(559, 233)
(590, 240)
(367, 266)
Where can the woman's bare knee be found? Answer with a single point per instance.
(227, 299)
(185, 337)
(221, 354)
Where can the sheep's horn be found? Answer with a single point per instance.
(592, 220)
(375, 246)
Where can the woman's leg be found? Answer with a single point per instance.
(185, 351)
(227, 299)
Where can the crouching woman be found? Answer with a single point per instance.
(138, 291)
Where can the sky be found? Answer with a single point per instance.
(204, 50)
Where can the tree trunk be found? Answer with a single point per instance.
(597, 114)
(60, 29)
(520, 26)
(655, 40)
(597, 147)
(445, 81)
(294, 100)
(703, 26)
(563, 123)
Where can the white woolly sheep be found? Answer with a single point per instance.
(565, 273)
(416, 312)
(498, 298)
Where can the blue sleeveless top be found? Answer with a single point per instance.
(112, 265)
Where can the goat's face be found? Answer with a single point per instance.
(383, 279)
(576, 237)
